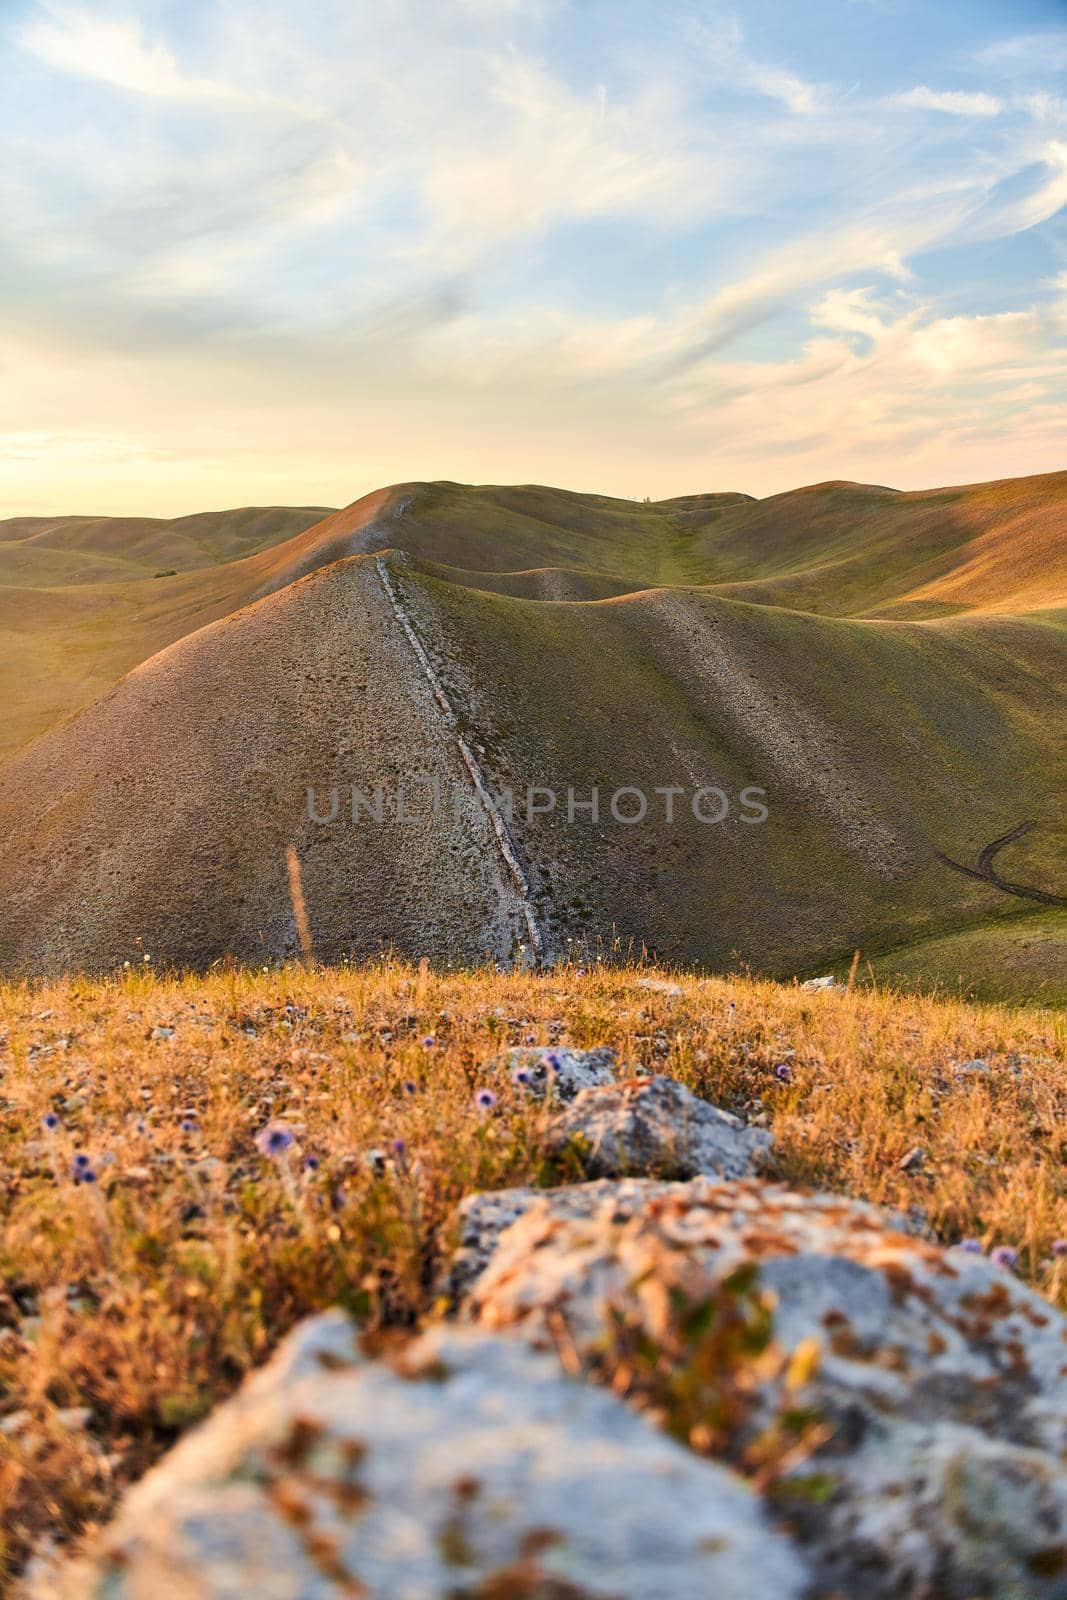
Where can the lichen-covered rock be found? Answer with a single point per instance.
(555, 1072)
(655, 1127)
(484, 1217)
(467, 1468)
(939, 1380)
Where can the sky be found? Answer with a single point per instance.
(258, 252)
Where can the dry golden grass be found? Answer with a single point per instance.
(143, 1296)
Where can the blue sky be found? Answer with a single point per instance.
(254, 251)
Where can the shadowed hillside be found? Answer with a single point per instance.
(886, 670)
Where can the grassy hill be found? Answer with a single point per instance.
(888, 668)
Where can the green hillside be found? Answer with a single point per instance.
(888, 670)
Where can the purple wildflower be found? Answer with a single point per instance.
(1059, 1247)
(553, 1062)
(81, 1160)
(189, 1125)
(50, 1121)
(429, 1042)
(275, 1139)
(782, 1072)
(84, 1175)
(409, 1087)
(311, 1163)
(1004, 1256)
(973, 1247)
(485, 1099)
(521, 1075)
(400, 1148)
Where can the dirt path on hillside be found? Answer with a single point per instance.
(504, 843)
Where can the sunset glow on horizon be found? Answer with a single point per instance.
(257, 253)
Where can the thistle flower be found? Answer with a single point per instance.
(485, 1099)
(522, 1076)
(1004, 1256)
(275, 1139)
(50, 1122)
(81, 1161)
(552, 1062)
(311, 1163)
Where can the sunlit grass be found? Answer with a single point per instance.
(156, 1245)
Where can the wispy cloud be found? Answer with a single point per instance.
(954, 102)
(551, 242)
(74, 40)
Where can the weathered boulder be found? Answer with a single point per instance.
(655, 1127)
(935, 1382)
(467, 1468)
(483, 1218)
(555, 1072)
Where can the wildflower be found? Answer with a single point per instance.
(485, 1099)
(189, 1125)
(1059, 1247)
(84, 1175)
(429, 1042)
(409, 1087)
(1004, 1256)
(521, 1075)
(400, 1148)
(552, 1062)
(81, 1161)
(579, 972)
(782, 1072)
(275, 1139)
(973, 1247)
(50, 1121)
(311, 1163)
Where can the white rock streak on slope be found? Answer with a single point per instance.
(507, 849)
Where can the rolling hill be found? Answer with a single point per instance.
(887, 670)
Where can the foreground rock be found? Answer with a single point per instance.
(935, 1381)
(655, 1126)
(484, 1218)
(557, 1073)
(467, 1470)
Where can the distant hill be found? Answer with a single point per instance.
(889, 668)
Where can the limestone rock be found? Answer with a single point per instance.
(467, 1467)
(483, 1218)
(941, 1379)
(557, 1073)
(656, 1127)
